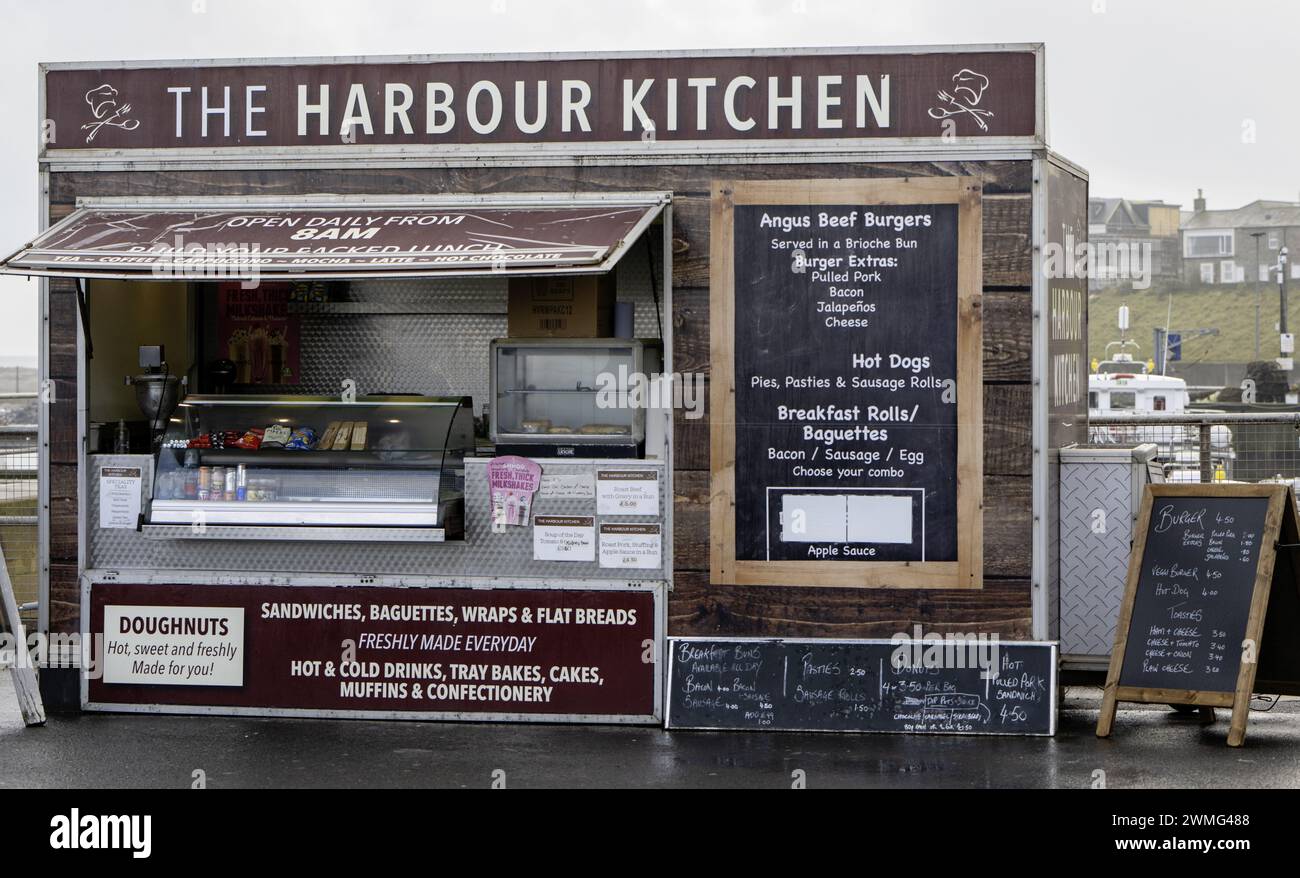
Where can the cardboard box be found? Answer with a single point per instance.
(572, 306)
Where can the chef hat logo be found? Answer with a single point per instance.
(971, 83)
(100, 99)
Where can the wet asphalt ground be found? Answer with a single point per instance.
(1151, 747)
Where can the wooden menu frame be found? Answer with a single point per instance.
(1279, 522)
(967, 570)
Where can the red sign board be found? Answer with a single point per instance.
(710, 99)
(514, 652)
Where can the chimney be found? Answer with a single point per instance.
(1199, 204)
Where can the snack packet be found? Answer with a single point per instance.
(302, 439)
(251, 440)
(275, 436)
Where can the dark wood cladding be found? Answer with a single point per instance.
(999, 178)
(779, 611)
(64, 494)
(1007, 242)
(1008, 316)
(65, 601)
(1008, 444)
(696, 607)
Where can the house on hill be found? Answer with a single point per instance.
(1241, 245)
(1121, 222)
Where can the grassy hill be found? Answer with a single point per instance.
(1231, 310)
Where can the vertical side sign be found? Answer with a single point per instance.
(1061, 358)
(1065, 273)
(846, 345)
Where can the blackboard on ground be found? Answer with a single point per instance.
(915, 686)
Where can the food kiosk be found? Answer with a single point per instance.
(451, 398)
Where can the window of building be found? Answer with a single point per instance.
(1207, 272)
(1207, 244)
(1228, 272)
(1273, 241)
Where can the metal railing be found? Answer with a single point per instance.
(19, 462)
(1211, 446)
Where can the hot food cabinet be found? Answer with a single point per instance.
(571, 397)
(272, 467)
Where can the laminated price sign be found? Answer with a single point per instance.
(627, 492)
(564, 538)
(631, 546)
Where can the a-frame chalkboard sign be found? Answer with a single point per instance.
(1211, 608)
(26, 686)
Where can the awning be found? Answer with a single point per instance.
(322, 237)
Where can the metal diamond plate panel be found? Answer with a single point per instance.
(633, 273)
(1094, 552)
(482, 553)
(415, 296)
(433, 354)
(1054, 545)
(431, 336)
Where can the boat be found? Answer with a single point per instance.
(1123, 387)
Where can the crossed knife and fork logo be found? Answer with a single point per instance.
(967, 90)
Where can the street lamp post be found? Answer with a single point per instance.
(1281, 289)
(1286, 346)
(1259, 290)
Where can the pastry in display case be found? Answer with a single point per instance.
(568, 397)
(308, 467)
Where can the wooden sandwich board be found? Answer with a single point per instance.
(26, 685)
(1211, 608)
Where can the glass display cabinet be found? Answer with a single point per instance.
(570, 396)
(302, 467)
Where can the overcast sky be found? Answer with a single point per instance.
(1151, 96)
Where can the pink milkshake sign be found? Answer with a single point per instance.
(512, 482)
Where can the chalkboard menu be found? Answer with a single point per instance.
(1210, 614)
(846, 364)
(846, 356)
(1194, 590)
(915, 687)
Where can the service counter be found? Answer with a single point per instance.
(558, 620)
